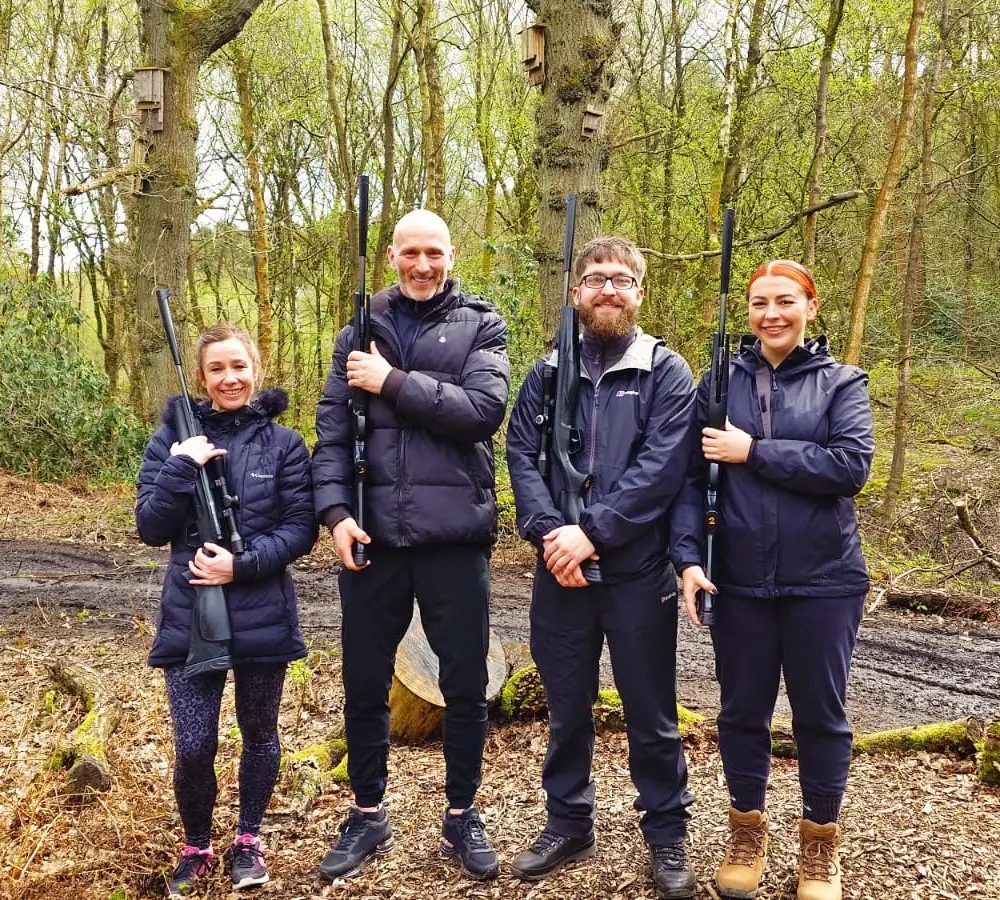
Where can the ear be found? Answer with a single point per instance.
(574, 296)
(812, 309)
(451, 259)
(639, 294)
(200, 376)
(392, 258)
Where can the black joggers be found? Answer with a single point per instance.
(451, 584)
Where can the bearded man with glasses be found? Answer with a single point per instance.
(634, 417)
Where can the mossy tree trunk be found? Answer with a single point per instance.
(580, 40)
(177, 38)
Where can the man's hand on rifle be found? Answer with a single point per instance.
(216, 568)
(729, 446)
(565, 548)
(367, 371)
(345, 533)
(693, 579)
(199, 448)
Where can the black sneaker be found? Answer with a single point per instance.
(550, 852)
(247, 867)
(363, 836)
(194, 863)
(672, 876)
(463, 839)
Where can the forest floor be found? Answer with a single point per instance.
(76, 586)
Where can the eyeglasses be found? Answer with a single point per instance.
(597, 281)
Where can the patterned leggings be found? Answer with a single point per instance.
(194, 707)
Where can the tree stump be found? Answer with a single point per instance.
(416, 707)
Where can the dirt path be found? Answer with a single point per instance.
(908, 669)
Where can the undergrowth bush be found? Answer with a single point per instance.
(57, 416)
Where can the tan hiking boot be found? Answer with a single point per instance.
(740, 872)
(819, 861)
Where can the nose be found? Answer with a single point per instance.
(609, 289)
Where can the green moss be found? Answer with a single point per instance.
(989, 756)
(522, 695)
(596, 49)
(339, 774)
(323, 756)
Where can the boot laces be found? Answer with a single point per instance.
(475, 836)
(818, 860)
(545, 841)
(746, 844)
(671, 856)
(352, 829)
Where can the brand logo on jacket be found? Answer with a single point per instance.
(627, 394)
(442, 340)
(260, 475)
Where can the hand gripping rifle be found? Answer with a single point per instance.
(566, 440)
(718, 402)
(359, 398)
(208, 647)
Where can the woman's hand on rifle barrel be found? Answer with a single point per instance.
(198, 447)
(729, 446)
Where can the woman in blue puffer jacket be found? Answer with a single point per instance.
(789, 574)
(268, 469)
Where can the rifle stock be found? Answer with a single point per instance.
(718, 402)
(359, 397)
(566, 441)
(211, 633)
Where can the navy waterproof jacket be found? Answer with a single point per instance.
(787, 523)
(636, 432)
(267, 468)
(430, 477)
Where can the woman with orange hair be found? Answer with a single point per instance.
(789, 574)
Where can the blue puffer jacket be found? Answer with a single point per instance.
(267, 467)
(787, 523)
(636, 429)
(430, 473)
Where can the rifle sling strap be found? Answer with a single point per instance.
(762, 378)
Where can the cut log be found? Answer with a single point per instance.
(416, 707)
(85, 753)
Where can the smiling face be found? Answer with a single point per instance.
(227, 373)
(780, 309)
(608, 313)
(421, 254)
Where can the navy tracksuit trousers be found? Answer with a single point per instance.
(452, 586)
(810, 640)
(568, 627)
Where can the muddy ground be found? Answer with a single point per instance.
(918, 827)
(909, 669)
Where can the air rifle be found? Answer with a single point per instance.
(211, 634)
(718, 402)
(359, 398)
(566, 440)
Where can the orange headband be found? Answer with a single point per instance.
(785, 269)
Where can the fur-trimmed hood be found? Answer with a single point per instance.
(268, 402)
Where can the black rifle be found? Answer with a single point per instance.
(211, 634)
(718, 403)
(566, 440)
(359, 397)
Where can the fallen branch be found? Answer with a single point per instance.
(989, 758)
(85, 754)
(934, 600)
(833, 200)
(308, 770)
(961, 738)
(961, 507)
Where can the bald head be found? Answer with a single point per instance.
(421, 254)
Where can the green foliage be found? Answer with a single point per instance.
(59, 418)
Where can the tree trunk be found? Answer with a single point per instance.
(814, 180)
(912, 285)
(178, 39)
(580, 42)
(258, 222)
(387, 216)
(425, 51)
(876, 225)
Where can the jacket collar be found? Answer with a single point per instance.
(814, 354)
(268, 403)
(639, 355)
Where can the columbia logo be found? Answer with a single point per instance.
(263, 475)
(442, 340)
(627, 394)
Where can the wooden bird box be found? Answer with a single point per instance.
(591, 121)
(533, 53)
(147, 89)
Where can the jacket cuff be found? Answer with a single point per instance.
(392, 385)
(245, 566)
(332, 516)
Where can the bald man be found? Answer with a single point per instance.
(438, 376)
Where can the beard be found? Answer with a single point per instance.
(609, 328)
